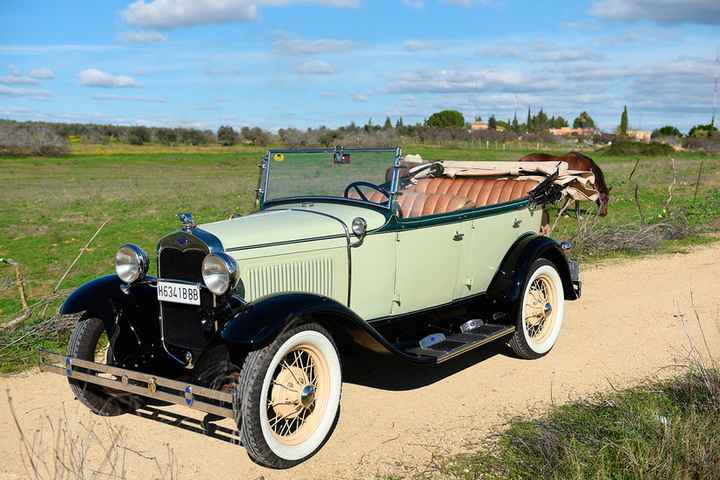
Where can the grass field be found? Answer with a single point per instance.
(50, 207)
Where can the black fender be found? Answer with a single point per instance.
(263, 320)
(129, 313)
(507, 284)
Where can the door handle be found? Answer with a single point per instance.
(458, 236)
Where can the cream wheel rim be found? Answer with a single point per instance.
(540, 310)
(298, 395)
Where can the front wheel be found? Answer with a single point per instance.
(539, 315)
(289, 397)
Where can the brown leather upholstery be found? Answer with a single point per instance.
(480, 190)
(416, 204)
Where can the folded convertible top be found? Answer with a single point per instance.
(576, 184)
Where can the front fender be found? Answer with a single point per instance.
(130, 318)
(506, 286)
(263, 320)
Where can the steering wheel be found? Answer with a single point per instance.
(356, 186)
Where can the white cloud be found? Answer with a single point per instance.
(467, 81)
(315, 67)
(48, 49)
(143, 37)
(93, 77)
(24, 92)
(417, 45)
(165, 14)
(15, 78)
(297, 46)
(42, 73)
(662, 11)
(359, 98)
(124, 98)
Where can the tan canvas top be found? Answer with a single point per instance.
(578, 185)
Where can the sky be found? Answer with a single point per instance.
(306, 63)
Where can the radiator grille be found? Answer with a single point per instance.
(313, 275)
(182, 324)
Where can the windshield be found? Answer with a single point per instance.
(327, 173)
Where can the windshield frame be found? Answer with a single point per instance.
(264, 180)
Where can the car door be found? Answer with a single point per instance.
(428, 259)
(489, 239)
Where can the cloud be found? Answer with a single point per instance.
(42, 73)
(143, 37)
(93, 77)
(15, 78)
(705, 12)
(296, 46)
(539, 51)
(167, 14)
(417, 45)
(24, 92)
(48, 49)
(360, 98)
(315, 67)
(465, 81)
(124, 98)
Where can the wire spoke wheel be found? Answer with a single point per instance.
(540, 311)
(298, 394)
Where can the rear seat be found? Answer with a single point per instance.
(430, 196)
(481, 191)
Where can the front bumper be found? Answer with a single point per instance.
(575, 277)
(122, 380)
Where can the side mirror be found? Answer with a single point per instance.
(359, 229)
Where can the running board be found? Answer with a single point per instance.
(460, 343)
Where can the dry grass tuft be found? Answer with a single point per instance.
(60, 450)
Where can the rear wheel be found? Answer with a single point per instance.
(89, 342)
(289, 397)
(540, 312)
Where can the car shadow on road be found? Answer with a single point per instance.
(391, 373)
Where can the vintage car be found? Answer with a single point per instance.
(247, 317)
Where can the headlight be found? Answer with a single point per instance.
(131, 263)
(359, 227)
(219, 272)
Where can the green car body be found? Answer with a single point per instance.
(341, 251)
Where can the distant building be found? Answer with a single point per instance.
(569, 132)
(475, 126)
(640, 135)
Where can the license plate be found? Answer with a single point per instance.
(178, 293)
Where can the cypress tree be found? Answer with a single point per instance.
(623, 130)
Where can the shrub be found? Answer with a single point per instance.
(446, 118)
(627, 147)
(31, 139)
(138, 135)
(226, 135)
(666, 131)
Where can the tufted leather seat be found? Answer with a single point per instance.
(417, 204)
(480, 191)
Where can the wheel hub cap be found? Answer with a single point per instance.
(307, 395)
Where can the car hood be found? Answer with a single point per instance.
(288, 224)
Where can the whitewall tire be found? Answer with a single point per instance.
(290, 396)
(540, 311)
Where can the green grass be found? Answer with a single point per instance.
(662, 429)
(50, 207)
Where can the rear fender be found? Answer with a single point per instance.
(507, 284)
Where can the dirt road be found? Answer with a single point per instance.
(628, 325)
